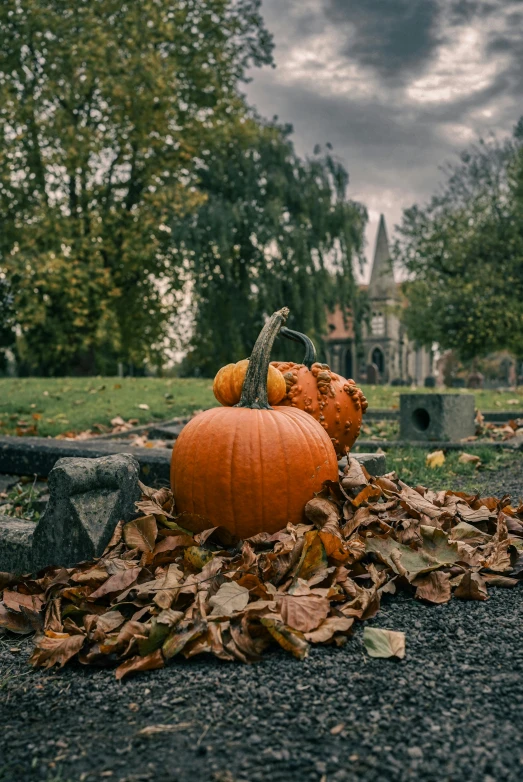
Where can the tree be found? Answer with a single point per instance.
(7, 331)
(274, 229)
(464, 255)
(105, 106)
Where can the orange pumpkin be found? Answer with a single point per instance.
(337, 404)
(251, 468)
(228, 384)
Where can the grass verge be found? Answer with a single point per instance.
(52, 406)
(411, 467)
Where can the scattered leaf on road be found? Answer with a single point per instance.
(384, 643)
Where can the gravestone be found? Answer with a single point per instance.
(373, 375)
(475, 380)
(444, 417)
(430, 381)
(87, 498)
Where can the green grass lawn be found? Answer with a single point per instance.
(410, 465)
(57, 405)
(490, 399)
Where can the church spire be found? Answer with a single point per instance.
(382, 284)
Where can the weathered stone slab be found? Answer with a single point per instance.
(16, 544)
(170, 432)
(443, 417)
(38, 456)
(87, 498)
(7, 482)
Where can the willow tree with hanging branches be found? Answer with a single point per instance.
(273, 228)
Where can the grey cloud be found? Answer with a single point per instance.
(392, 146)
(392, 36)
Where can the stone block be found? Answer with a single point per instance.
(16, 544)
(87, 498)
(443, 417)
(38, 456)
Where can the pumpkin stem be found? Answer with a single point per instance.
(254, 391)
(296, 336)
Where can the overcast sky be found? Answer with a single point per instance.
(397, 86)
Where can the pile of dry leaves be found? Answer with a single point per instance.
(167, 586)
(492, 431)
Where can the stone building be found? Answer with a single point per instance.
(388, 353)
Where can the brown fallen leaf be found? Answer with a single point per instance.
(433, 587)
(141, 533)
(331, 625)
(365, 495)
(150, 662)
(15, 621)
(56, 649)
(16, 601)
(305, 612)
(472, 587)
(290, 640)
(320, 511)
(384, 643)
(229, 598)
(353, 476)
(116, 583)
(153, 730)
(469, 458)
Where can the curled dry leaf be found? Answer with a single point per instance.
(56, 649)
(290, 640)
(472, 587)
(330, 626)
(384, 643)
(141, 533)
(321, 511)
(469, 458)
(153, 730)
(353, 476)
(434, 587)
(150, 662)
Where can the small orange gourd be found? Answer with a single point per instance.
(228, 384)
(337, 404)
(252, 468)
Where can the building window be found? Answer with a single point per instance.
(378, 324)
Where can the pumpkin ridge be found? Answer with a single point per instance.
(306, 426)
(298, 421)
(196, 441)
(277, 421)
(232, 484)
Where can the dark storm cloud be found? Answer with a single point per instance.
(398, 86)
(390, 35)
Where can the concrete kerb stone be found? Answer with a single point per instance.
(87, 498)
(441, 417)
(38, 456)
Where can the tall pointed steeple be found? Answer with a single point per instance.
(382, 284)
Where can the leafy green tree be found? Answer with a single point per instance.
(464, 255)
(105, 108)
(273, 230)
(7, 331)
